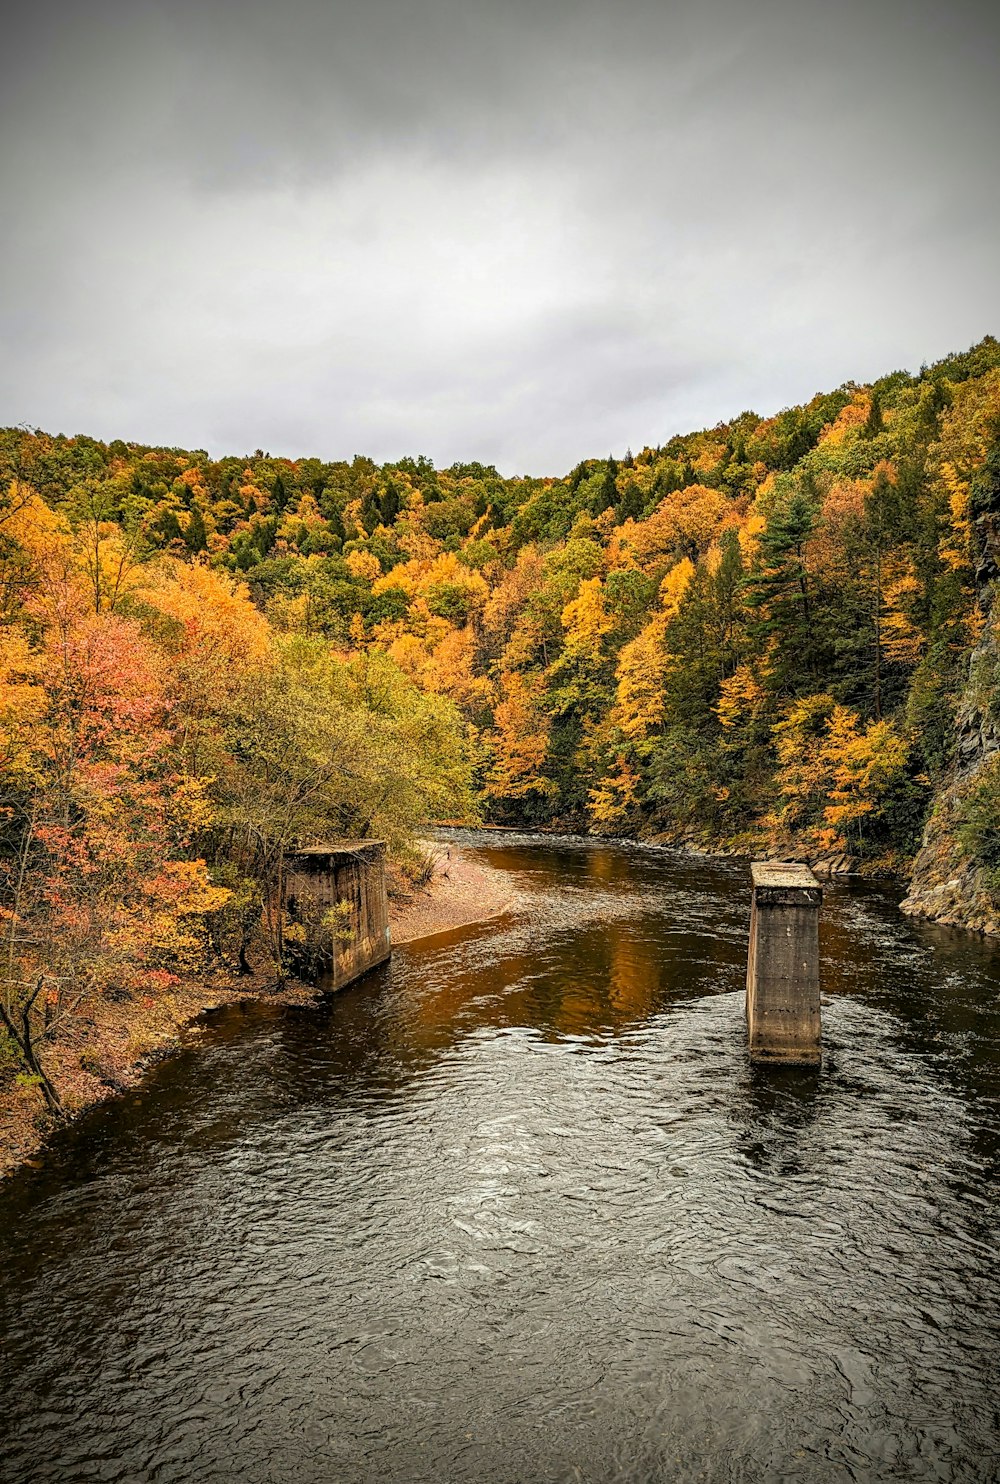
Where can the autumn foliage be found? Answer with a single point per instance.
(161, 746)
(755, 634)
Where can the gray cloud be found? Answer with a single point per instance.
(521, 232)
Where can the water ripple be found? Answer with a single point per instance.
(517, 1208)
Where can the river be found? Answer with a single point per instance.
(515, 1208)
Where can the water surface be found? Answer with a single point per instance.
(515, 1208)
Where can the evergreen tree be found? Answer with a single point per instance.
(984, 497)
(984, 507)
(195, 534)
(630, 506)
(390, 503)
(371, 513)
(778, 590)
(607, 495)
(874, 422)
(168, 527)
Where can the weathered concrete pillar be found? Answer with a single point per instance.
(783, 1017)
(337, 910)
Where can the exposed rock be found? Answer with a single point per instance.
(831, 865)
(946, 886)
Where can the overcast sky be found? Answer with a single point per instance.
(519, 231)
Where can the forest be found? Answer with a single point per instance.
(753, 637)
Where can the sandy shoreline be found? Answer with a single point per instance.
(460, 893)
(109, 1050)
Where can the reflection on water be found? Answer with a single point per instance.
(516, 1208)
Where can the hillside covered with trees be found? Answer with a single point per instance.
(755, 636)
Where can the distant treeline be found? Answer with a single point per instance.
(756, 634)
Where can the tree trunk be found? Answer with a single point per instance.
(24, 1040)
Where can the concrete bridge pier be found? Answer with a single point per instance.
(783, 1012)
(337, 910)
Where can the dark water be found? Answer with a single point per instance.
(516, 1209)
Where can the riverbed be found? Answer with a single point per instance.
(516, 1208)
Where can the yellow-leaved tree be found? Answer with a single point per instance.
(643, 662)
(835, 775)
(518, 743)
(586, 621)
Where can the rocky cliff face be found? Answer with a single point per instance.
(947, 886)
